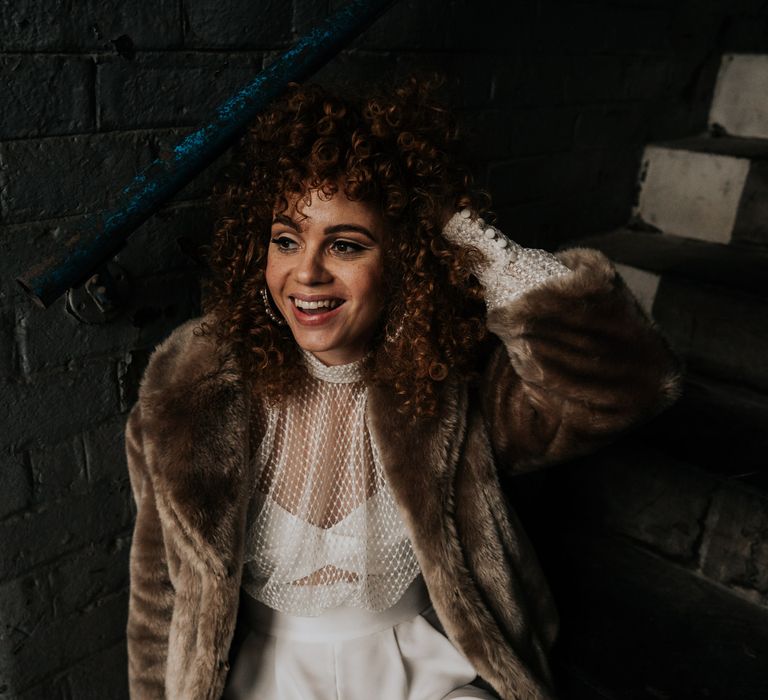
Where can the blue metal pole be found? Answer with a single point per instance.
(103, 235)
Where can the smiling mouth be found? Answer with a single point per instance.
(316, 307)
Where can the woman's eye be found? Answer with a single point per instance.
(346, 247)
(284, 243)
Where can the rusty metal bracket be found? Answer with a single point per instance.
(102, 297)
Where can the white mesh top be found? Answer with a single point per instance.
(323, 527)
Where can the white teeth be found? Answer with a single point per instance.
(323, 303)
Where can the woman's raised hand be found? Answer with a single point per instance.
(508, 269)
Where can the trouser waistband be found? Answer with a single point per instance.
(344, 622)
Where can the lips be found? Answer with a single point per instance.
(315, 311)
(317, 304)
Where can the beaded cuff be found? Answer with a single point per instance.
(510, 269)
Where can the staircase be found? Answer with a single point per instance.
(659, 557)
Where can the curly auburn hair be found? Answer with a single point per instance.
(399, 152)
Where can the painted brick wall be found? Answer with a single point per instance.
(558, 99)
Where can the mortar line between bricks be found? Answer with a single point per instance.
(234, 50)
(34, 444)
(653, 549)
(60, 673)
(701, 544)
(136, 131)
(86, 458)
(576, 109)
(191, 202)
(403, 51)
(513, 160)
(47, 565)
(510, 207)
(4, 205)
(180, 49)
(96, 94)
(26, 462)
(68, 693)
(45, 682)
(98, 602)
(76, 219)
(700, 577)
(142, 54)
(184, 21)
(81, 364)
(20, 340)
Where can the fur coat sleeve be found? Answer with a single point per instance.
(151, 594)
(579, 363)
(186, 441)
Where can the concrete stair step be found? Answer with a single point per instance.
(720, 331)
(718, 427)
(740, 103)
(636, 626)
(711, 300)
(710, 189)
(634, 491)
(659, 573)
(735, 266)
(713, 526)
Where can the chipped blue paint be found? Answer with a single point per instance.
(104, 235)
(192, 143)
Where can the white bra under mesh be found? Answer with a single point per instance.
(323, 527)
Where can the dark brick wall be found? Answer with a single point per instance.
(557, 97)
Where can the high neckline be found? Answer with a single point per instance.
(333, 374)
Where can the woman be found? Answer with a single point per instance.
(320, 453)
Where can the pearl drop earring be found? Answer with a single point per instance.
(268, 308)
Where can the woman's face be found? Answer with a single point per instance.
(325, 274)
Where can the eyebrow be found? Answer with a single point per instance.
(329, 230)
(286, 220)
(339, 228)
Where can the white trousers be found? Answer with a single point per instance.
(348, 654)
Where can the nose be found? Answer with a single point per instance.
(311, 269)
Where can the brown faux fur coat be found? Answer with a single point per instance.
(578, 363)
